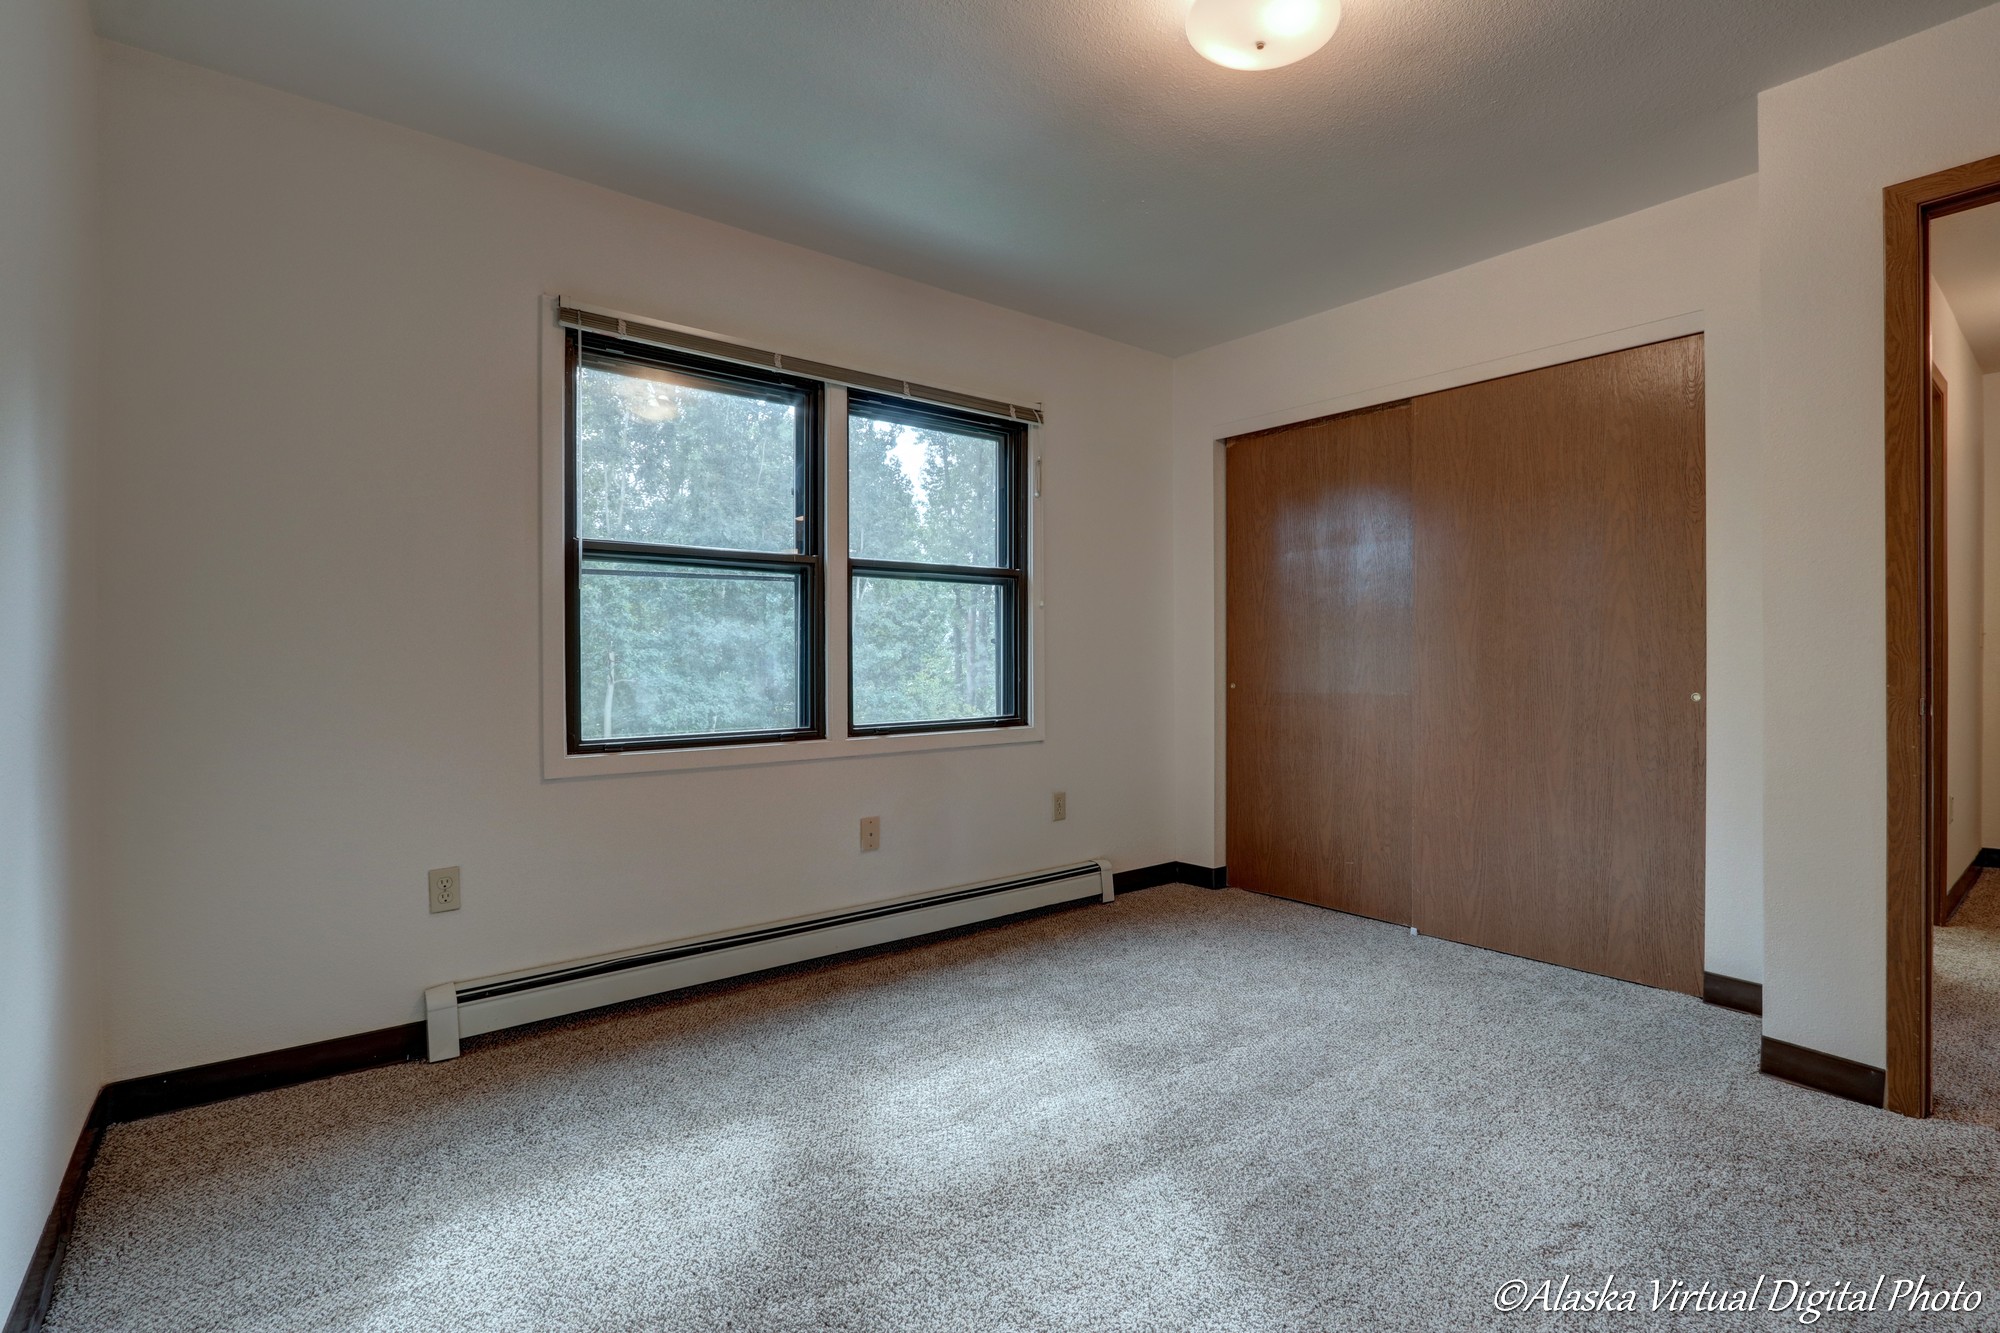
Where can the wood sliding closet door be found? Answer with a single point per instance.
(1559, 639)
(1318, 696)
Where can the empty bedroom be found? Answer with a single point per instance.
(1149, 664)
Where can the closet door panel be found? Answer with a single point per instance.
(1318, 590)
(1559, 636)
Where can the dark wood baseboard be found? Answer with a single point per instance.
(1954, 897)
(38, 1286)
(176, 1090)
(1170, 872)
(1144, 877)
(1732, 992)
(1826, 1073)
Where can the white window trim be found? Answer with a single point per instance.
(558, 762)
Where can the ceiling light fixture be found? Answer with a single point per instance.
(1260, 34)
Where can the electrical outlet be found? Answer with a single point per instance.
(445, 889)
(1062, 805)
(871, 833)
(1954, 811)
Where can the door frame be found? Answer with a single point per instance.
(1915, 754)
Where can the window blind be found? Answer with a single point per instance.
(661, 335)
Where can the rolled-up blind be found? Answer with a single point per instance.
(663, 336)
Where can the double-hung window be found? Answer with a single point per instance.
(700, 534)
(936, 571)
(695, 593)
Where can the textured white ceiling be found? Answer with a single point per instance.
(1075, 158)
(1965, 260)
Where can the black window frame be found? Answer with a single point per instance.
(1011, 573)
(807, 562)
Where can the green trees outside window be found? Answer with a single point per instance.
(931, 537)
(696, 591)
(696, 552)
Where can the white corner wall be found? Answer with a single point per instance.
(321, 573)
(1828, 145)
(49, 1050)
(1685, 266)
(1965, 579)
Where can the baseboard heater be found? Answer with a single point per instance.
(461, 1009)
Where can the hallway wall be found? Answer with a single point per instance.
(1965, 582)
(1989, 664)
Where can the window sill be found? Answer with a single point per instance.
(559, 764)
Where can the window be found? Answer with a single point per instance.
(710, 596)
(694, 573)
(936, 568)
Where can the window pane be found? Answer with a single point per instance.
(920, 493)
(679, 460)
(677, 650)
(926, 650)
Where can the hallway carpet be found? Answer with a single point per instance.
(1965, 1008)
(1185, 1110)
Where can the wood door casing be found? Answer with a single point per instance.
(1914, 765)
(1318, 671)
(1559, 634)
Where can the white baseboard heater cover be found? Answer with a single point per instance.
(460, 1009)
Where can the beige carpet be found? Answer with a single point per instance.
(1965, 1010)
(1187, 1110)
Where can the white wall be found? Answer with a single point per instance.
(1989, 662)
(1829, 144)
(321, 579)
(1964, 580)
(49, 1053)
(1684, 266)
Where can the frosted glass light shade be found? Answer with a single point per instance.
(1260, 34)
